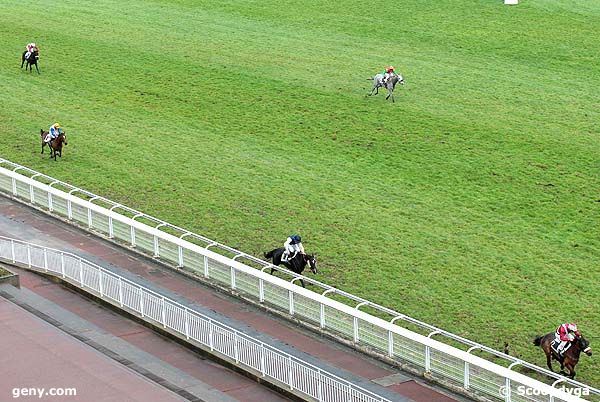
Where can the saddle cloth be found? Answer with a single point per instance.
(554, 346)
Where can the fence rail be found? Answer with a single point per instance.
(180, 248)
(249, 353)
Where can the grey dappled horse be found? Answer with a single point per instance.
(390, 85)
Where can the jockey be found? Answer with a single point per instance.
(53, 132)
(565, 334)
(30, 48)
(293, 244)
(387, 73)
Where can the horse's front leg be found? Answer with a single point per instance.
(302, 283)
(549, 362)
(43, 145)
(36, 68)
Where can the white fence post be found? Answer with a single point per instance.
(261, 290)
(81, 272)
(100, 285)
(164, 313)
(291, 297)
(29, 256)
(156, 247)
(120, 292)
(132, 235)
(89, 216)
(111, 228)
(141, 302)
(262, 359)
(187, 323)
(206, 272)
(45, 260)
(290, 374)
(62, 264)
(235, 348)
(12, 251)
(232, 272)
(180, 256)
(50, 206)
(69, 210)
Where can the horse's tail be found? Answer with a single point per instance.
(270, 254)
(538, 340)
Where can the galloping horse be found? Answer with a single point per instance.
(295, 264)
(390, 84)
(570, 358)
(55, 144)
(31, 60)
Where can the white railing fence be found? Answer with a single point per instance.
(199, 255)
(245, 351)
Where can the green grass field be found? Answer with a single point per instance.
(472, 203)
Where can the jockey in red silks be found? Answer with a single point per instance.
(566, 334)
(389, 71)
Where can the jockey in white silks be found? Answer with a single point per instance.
(53, 132)
(293, 245)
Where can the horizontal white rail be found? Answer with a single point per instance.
(440, 360)
(222, 340)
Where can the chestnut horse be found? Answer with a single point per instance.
(55, 144)
(569, 358)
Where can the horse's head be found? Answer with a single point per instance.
(584, 345)
(62, 137)
(312, 262)
(400, 79)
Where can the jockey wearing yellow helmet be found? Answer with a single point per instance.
(53, 132)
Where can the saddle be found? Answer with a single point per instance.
(554, 346)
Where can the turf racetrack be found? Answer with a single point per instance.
(472, 203)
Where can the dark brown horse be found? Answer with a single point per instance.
(569, 358)
(55, 144)
(32, 60)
